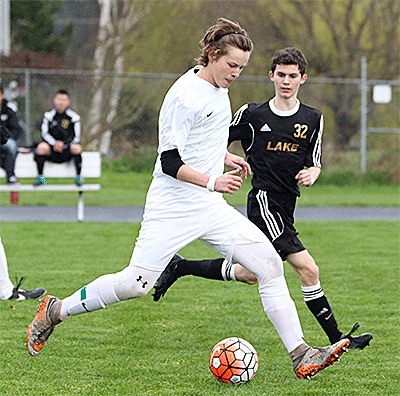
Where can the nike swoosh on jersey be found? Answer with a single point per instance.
(208, 115)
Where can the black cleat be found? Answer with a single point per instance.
(357, 342)
(167, 278)
(20, 294)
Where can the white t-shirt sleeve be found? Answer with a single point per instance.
(177, 118)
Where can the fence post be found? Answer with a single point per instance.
(364, 112)
(28, 105)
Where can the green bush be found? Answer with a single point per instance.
(141, 161)
(345, 178)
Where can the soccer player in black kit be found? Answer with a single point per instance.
(282, 140)
(61, 133)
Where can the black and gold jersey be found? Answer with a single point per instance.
(278, 144)
(61, 126)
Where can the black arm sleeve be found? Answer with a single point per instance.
(171, 161)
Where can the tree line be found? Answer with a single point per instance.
(161, 36)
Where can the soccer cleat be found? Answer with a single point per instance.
(167, 278)
(78, 180)
(20, 294)
(316, 359)
(42, 325)
(357, 342)
(40, 181)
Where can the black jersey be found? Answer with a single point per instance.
(9, 120)
(278, 144)
(61, 126)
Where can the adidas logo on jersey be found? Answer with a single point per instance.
(265, 128)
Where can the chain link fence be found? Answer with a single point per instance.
(130, 122)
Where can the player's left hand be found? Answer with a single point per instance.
(304, 178)
(238, 163)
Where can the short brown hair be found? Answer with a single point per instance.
(289, 56)
(62, 92)
(220, 36)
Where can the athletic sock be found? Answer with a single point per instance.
(318, 304)
(40, 160)
(282, 312)
(209, 269)
(78, 163)
(228, 271)
(92, 297)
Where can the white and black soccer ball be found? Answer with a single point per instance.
(234, 360)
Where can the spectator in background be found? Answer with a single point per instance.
(9, 150)
(7, 290)
(61, 133)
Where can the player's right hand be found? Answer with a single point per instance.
(229, 182)
(58, 146)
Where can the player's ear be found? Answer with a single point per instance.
(271, 75)
(303, 78)
(214, 55)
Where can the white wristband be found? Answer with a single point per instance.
(211, 183)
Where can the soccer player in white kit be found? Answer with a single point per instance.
(7, 290)
(184, 203)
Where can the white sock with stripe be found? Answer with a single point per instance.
(228, 271)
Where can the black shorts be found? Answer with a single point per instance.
(273, 214)
(60, 158)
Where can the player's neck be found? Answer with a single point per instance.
(283, 104)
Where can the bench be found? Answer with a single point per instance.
(25, 167)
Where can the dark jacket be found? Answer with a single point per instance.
(4, 135)
(9, 119)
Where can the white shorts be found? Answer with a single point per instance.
(169, 226)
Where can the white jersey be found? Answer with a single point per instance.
(194, 118)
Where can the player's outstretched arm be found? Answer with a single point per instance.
(227, 183)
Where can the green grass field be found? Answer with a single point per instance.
(144, 348)
(130, 188)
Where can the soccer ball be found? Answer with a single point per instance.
(234, 360)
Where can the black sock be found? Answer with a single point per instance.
(78, 163)
(40, 160)
(209, 269)
(322, 311)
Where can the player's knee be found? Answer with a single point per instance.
(269, 268)
(133, 282)
(76, 149)
(43, 149)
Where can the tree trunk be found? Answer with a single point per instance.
(117, 18)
